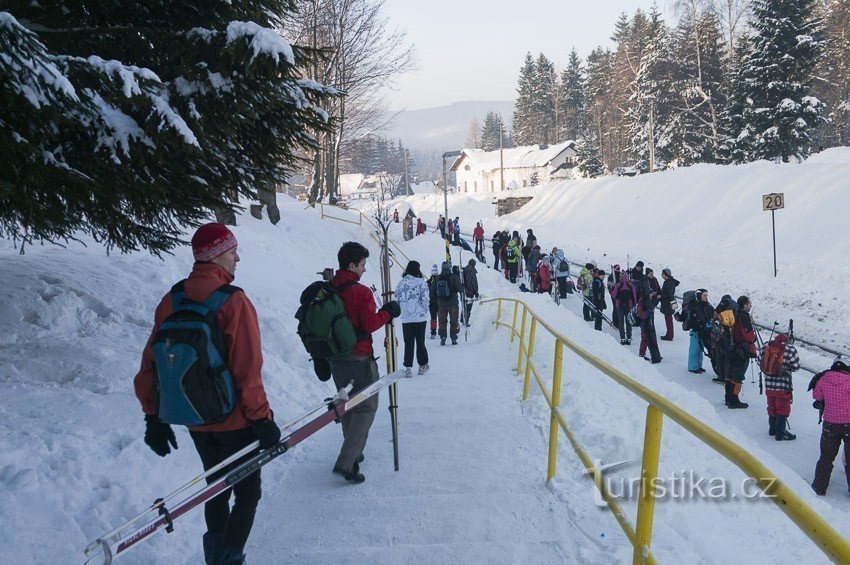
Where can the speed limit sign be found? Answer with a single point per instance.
(775, 201)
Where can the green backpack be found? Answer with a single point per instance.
(323, 325)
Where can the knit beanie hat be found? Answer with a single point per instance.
(435, 269)
(666, 272)
(211, 240)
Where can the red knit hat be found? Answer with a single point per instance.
(211, 240)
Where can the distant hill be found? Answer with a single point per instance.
(444, 128)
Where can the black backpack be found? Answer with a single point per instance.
(443, 290)
(688, 300)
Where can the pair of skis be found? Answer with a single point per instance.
(593, 307)
(161, 516)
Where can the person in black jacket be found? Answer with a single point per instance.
(646, 313)
(668, 299)
(445, 291)
(470, 289)
(496, 242)
(700, 316)
(597, 296)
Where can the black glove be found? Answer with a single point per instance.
(158, 435)
(817, 404)
(322, 369)
(393, 308)
(267, 432)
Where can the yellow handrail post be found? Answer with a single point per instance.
(556, 402)
(529, 352)
(513, 325)
(498, 312)
(649, 472)
(360, 217)
(521, 346)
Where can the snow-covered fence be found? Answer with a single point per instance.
(835, 547)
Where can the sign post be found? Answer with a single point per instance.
(773, 202)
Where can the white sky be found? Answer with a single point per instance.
(473, 49)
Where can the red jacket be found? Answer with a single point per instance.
(478, 233)
(747, 337)
(241, 331)
(360, 307)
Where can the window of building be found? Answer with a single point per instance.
(475, 185)
(465, 188)
(524, 183)
(492, 185)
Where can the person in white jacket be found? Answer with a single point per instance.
(412, 294)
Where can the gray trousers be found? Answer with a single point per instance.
(362, 371)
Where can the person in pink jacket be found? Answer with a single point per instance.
(832, 391)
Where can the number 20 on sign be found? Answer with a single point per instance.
(771, 203)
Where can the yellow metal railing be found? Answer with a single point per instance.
(813, 525)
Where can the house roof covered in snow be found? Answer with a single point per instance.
(527, 156)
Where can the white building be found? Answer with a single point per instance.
(479, 171)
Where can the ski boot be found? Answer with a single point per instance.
(781, 433)
(423, 369)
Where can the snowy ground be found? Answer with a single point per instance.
(73, 463)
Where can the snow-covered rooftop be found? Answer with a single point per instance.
(526, 156)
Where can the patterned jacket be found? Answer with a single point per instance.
(790, 363)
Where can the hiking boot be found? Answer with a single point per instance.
(352, 476)
(408, 372)
(701, 370)
(718, 379)
(665, 338)
(735, 402)
(442, 341)
(433, 336)
(694, 371)
(230, 556)
(454, 342)
(657, 361)
(771, 420)
(781, 432)
(423, 369)
(622, 342)
(628, 341)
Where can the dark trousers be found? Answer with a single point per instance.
(233, 523)
(467, 313)
(432, 309)
(448, 314)
(587, 312)
(830, 442)
(622, 323)
(479, 247)
(496, 261)
(512, 271)
(362, 371)
(597, 320)
(668, 320)
(414, 337)
(562, 287)
(647, 327)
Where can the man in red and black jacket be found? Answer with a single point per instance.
(359, 367)
(214, 250)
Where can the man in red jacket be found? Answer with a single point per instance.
(214, 250)
(478, 236)
(359, 367)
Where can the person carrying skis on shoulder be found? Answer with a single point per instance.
(668, 302)
(647, 292)
(597, 296)
(832, 391)
(700, 315)
(583, 284)
(743, 349)
(778, 360)
(359, 367)
(237, 333)
(478, 238)
(432, 303)
(413, 296)
(624, 296)
(562, 273)
(512, 259)
(470, 285)
(445, 292)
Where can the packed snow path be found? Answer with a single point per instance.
(471, 488)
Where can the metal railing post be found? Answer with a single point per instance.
(556, 402)
(528, 353)
(513, 324)
(322, 210)
(648, 474)
(521, 346)
(498, 312)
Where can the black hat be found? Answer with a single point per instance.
(639, 264)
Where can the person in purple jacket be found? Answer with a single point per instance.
(832, 395)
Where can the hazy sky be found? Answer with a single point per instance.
(473, 49)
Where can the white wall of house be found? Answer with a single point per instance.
(473, 180)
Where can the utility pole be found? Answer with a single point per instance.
(501, 157)
(446, 198)
(406, 177)
(651, 141)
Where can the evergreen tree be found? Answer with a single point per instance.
(473, 135)
(524, 126)
(545, 90)
(600, 113)
(572, 99)
(589, 154)
(778, 114)
(735, 145)
(128, 122)
(490, 131)
(833, 71)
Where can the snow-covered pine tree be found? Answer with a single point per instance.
(697, 46)
(833, 72)
(600, 113)
(524, 132)
(589, 154)
(127, 121)
(473, 135)
(735, 144)
(490, 132)
(778, 115)
(545, 91)
(572, 99)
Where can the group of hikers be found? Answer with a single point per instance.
(206, 316)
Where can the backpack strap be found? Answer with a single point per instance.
(220, 296)
(216, 300)
(178, 295)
